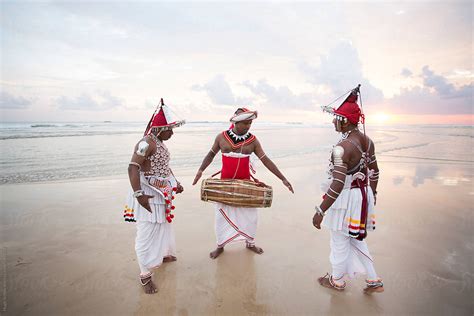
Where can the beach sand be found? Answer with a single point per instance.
(66, 250)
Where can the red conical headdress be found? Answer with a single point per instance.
(162, 119)
(349, 109)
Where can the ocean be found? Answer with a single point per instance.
(39, 152)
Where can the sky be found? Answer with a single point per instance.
(114, 60)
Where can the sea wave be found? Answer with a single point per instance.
(43, 125)
(383, 151)
(85, 133)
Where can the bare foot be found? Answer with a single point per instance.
(255, 249)
(324, 281)
(148, 286)
(169, 259)
(216, 252)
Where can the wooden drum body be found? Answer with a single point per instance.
(241, 193)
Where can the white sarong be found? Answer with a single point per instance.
(349, 256)
(235, 224)
(344, 213)
(155, 236)
(154, 242)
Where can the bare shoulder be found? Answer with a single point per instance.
(256, 143)
(220, 140)
(219, 136)
(371, 144)
(146, 141)
(345, 145)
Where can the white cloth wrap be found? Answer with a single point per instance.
(350, 257)
(155, 236)
(235, 224)
(153, 242)
(250, 115)
(235, 155)
(348, 206)
(157, 203)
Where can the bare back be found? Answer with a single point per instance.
(354, 147)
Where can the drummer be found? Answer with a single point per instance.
(237, 144)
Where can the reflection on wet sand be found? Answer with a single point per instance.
(236, 283)
(445, 175)
(422, 173)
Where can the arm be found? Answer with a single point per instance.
(340, 159)
(142, 150)
(258, 150)
(179, 187)
(374, 177)
(208, 159)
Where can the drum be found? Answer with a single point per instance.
(241, 193)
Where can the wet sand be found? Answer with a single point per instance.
(66, 250)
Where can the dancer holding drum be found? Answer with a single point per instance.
(234, 223)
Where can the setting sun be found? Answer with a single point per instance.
(382, 117)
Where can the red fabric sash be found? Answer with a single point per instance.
(362, 185)
(231, 166)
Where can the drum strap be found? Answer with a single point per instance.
(238, 161)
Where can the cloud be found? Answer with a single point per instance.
(98, 102)
(436, 96)
(406, 73)
(11, 102)
(220, 92)
(437, 82)
(280, 96)
(341, 70)
(441, 85)
(338, 71)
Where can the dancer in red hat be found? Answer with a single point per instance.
(150, 202)
(347, 208)
(237, 144)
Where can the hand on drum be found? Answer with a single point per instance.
(288, 185)
(258, 182)
(143, 200)
(197, 177)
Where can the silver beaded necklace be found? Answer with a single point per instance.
(346, 134)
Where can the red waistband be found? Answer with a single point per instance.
(358, 184)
